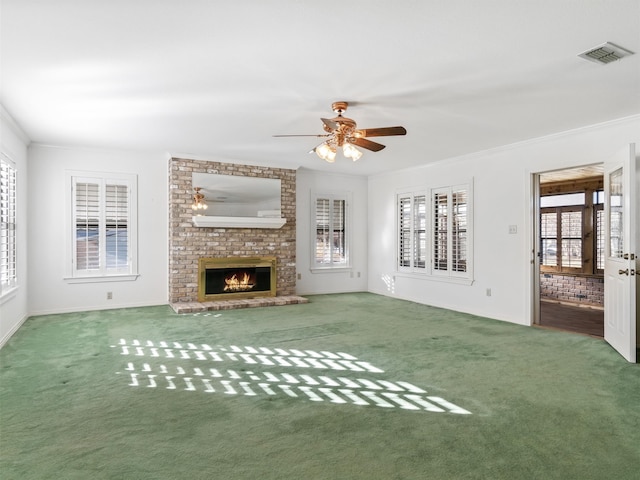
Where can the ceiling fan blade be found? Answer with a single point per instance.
(381, 132)
(300, 135)
(313, 150)
(329, 123)
(364, 143)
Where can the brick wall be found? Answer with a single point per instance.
(572, 288)
(188, 243)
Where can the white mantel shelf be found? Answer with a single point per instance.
(238, 222)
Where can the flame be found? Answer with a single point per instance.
(238, 284)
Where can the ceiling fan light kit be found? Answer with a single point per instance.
(351, 152)
(343, 132)
(198, 200)
(326, 152)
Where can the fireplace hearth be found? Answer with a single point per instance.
(236, 278)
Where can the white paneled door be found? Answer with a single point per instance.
(620, 273)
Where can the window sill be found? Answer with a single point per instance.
(330, 269)
(436, 278)
(8, 295)
(101, 279)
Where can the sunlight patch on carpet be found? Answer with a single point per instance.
(274, 372)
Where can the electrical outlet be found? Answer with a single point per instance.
(513, 229)
(488, 292)
(109, 295)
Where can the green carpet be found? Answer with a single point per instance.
(350, 386)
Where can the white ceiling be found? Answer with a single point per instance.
(215, 80)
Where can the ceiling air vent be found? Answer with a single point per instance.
(605, 53)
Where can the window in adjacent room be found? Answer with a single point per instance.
(572, 232)
(330, 235)
(598, 225)
(104, 226)
(8, 273)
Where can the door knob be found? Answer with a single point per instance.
(623, 272)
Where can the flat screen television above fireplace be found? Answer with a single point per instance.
(236, 277)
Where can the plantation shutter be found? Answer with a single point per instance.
(440, 230)
(404, 227)
(599, 222)
(323, 247)
(330, 231)
(102, 221)
(435, 230)
(459, 231)
(7, 225)
(87, 226)
(419, 231)
(450, 244)
(116, 226)
(338, 234)
(412, 231)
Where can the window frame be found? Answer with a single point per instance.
(591, 207)
(452, 237)
(331, 266)
(429, 272)
(8, 226)
(598, 236)
(129, 272)
(561, 237)
(408, 235)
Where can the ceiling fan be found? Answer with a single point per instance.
(342, 132)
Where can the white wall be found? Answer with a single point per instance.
(502, 197)
(47, 239)
(353, 279)
(13, 306)
(638, 246)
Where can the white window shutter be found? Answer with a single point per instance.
(116, 226)
(404, 228)
(103, 226)
(87, 226)
(330, 236)
(8, 265)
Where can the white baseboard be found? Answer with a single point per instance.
(58, 311)
(13, 330)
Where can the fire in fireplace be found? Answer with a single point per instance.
(236, 277)
(234, 282)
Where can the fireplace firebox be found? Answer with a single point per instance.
(236, 277)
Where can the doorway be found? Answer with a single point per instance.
(569, 220)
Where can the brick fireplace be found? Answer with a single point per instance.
(188, 244)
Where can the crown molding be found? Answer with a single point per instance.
(13, 125)
(518, 145)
